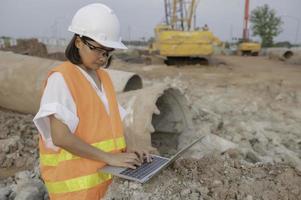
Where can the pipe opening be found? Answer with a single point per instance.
(288, 54)
(134, 83)
(170, 123)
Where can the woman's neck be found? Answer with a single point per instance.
(92, 73)
(85, 68)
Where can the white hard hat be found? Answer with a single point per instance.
(98, 22)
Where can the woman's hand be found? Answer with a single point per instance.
(62, 138)
(128, 160)
(141, 154)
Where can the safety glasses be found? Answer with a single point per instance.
(98, 50)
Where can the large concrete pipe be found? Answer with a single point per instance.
(157, 117)
(282, 54)
(125, 81)
(21, 79)
(296, 58)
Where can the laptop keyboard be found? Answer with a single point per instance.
(146, 168)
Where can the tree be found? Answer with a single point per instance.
(265, 24)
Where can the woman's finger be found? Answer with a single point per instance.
(134, 162)
(145, 155)
(132, 156)
(131, 166)
(140, 155)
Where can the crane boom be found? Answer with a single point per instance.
(246, 21)
(179, 13)
(246, 47)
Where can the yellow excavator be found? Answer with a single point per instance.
(247, 47)
(177, 41)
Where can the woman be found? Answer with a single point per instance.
(79, 119)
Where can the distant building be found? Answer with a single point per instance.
(2, 44)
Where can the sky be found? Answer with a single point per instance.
(51, 18)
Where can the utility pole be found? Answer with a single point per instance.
(231, 33)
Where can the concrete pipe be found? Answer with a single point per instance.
(125, 81)
(157, 117)
(282, 54)
(296, 58)
(21, 79)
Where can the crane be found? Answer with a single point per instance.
(177, 41)
(246, 47)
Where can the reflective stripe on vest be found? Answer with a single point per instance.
(77, 184)
(55, 159)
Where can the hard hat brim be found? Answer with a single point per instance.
(106, 43)
(111, 44)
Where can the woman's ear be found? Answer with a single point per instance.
(109, 60)
(78, 42)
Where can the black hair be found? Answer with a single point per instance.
(72, 53)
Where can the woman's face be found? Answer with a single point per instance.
(93, 55)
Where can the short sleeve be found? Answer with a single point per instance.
(56, 100)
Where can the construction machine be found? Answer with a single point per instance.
(178, 41)
(247, 47)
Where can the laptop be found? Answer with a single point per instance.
(146, 171)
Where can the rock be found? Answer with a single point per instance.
(46, 196)
(30, 193)
(30, 161)
(217, 183)
(211, 143)
(185, 192)
(195, 196)
(22, 176)
(252, 157)
(233, 153)
(30, 190)
(2, 158)
(4, 193)
(249, 197)
(7, 163)
(204, 190)
(269, 195)
(10, 144)
(21, 161)
(133, 186)
(36, 171)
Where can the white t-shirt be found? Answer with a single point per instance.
(58, 100)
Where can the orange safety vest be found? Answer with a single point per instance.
(70, 177)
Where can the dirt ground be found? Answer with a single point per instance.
(252, 102)
(214, 177)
